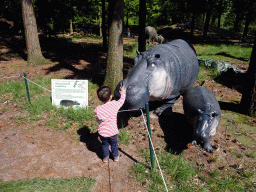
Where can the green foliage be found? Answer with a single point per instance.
(159, 12)
(38, 106)
(224, 184)
(124, 137)
(60, 118)
(177, 167)
(73, 184)
(130, 50)
(180, 175)
(17, 89)
(131, 8)
(81, 115)
(214, 173)
(250, 154)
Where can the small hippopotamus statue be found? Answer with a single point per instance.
(203, 112)
(162, 72)
(160, 39)
(151, 34)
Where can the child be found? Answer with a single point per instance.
(106, 115)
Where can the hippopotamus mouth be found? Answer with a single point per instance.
(133, 101)
(204, 127)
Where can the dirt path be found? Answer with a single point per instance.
(29, 152)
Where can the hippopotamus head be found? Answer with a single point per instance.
(206, 126)
(145, 77)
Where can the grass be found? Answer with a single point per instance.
(130, 49)
(41, 106)
(181, 176)
(59, 118)
(124, 137)
(16, 90)
(177, 172)
(73, 184)
(223, 52)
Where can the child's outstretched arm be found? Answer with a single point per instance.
(123, 95)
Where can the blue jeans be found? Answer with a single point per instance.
(106, 141)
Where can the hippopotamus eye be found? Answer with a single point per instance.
(214, 114)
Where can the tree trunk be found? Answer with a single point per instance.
(34, 53)
(114, 70)
(249, 18)
(193, 24)
(248, 101)
(246, 27)
(71, 27)
(220, 12)
(142, 25)
(219, 18)
(104, 34)
(208, 17)
(127, 20)
(100, 23)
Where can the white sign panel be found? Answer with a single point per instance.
(70, 93)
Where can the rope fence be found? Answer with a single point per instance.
(35, 83)
(149, 135)
(150, 139)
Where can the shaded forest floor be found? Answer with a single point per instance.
(30, 151)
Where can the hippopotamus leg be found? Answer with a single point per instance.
(207, 146)
(167, 104)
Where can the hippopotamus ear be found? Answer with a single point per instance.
(138, 58)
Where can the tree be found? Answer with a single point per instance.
(104, 35)
(34, 53)
(250, 15)
(248, 101)
(142, 25)
(114, 70)
(208, 17)
(238, 8)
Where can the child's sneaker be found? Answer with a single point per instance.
(105, 160)
(116, 159)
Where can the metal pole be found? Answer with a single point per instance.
(26, 83)
(149, 131)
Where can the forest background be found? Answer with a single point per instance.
(55, 16)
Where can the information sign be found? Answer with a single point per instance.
(70, 93)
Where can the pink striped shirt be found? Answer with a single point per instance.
(106, 115)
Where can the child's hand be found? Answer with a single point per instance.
(122, 88)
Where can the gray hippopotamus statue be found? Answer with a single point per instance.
(151, 34)
(203, 112)
(162, 72)
(160, 39)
